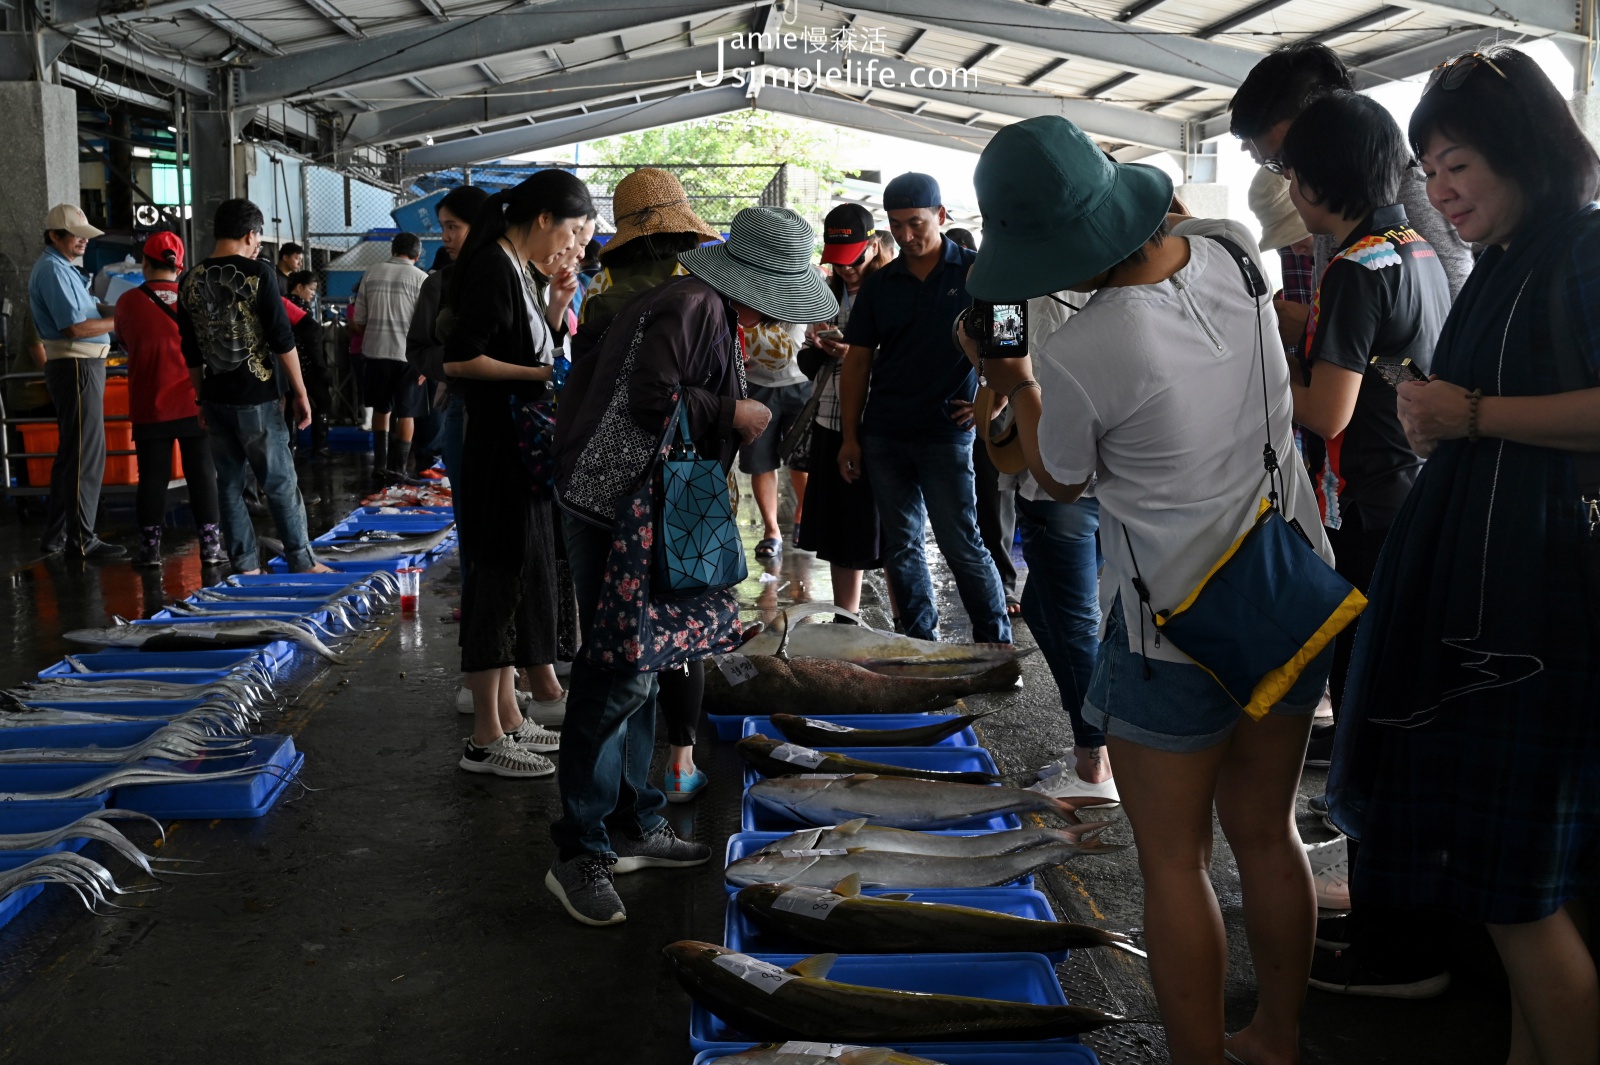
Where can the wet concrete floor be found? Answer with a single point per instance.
(395, 914)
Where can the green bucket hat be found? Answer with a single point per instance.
(1057, 211)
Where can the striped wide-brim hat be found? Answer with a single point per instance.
(766, 265)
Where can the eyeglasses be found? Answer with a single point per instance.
(1452, 74)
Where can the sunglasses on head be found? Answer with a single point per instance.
(1452, 74)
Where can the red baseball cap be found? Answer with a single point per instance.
(845, 233)
(165, 247)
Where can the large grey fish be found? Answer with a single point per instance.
(884, 652)
(862, 833)
(798, 1052)
(892, 869)
(775, 758)
(843, 919)
(201, 635)
(821, 733)
(763, 1001)
(377, 546)
(824, 685)
(903, 803)
(174, 742)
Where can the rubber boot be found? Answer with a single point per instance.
(211, 552)
(366, 417)
(380, 456)
(149, 547)
(319, 437)
(399, 458)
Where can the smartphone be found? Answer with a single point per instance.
(1394, 371)
(1001, 329)
(830, 334)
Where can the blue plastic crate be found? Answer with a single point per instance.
(156, 709)
(91, 734)
(377, 512)
(731, 726)
(741, 844)
(10, 860)
(278, 594)
(234, 797)
(968, 1053)
(939, 759)
(244, 613)
(279, 609)
(1013, 977)
(25, 780)
(965, 738)
(279, 566)
(756, 817)
(283, 580)
(17, 901)
(741, 934)
(401, 523)
(19, 817)
(182, 667)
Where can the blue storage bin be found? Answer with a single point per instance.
(741, 844)
(17, 818)
(186, 667)
(280, 579)
(278, 609)
(17, 901)
(968, 1053)
(243, 613)
(279, 566)
(96, 734)
(754, 726)
(397, 523)
(731, 726)
(156, 709)
(1013, 977)
(755, 817)
(940, 759)
(277, 594)
(233, 797)
(741, 934)
(43, 779)
(10, 860)
(377, 512)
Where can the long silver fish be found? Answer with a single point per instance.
(249, 668)
(824, 868)
(796, 1052)
(900, 802)
(377, 547)
(95, 825)
(173, 742)
(382, 582)
(348, 619)
(814, 732)
(215, 720)
(874, 649)
(202, 635)
(128, 776)
(89, 880)
(862, 833)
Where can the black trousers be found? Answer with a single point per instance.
(78, 389)
(155, 470)
(678, 699)
(997, 514)
(1356, 549)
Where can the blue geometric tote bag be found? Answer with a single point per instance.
(697, 544)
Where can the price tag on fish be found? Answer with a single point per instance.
(797, 755)
(821, 1050)
(737, 668)
(825, 726)
(807, 902)
(762, 974)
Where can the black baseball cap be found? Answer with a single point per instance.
(845, 233)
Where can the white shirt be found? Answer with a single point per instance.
(1157, 388)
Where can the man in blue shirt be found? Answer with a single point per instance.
(77, 338)
(905, 399)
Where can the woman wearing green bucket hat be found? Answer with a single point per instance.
(1154, 385)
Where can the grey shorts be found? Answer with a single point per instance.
(785, 402)
(1179, 707)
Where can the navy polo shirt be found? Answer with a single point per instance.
(917, 371)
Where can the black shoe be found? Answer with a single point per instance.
(1333, 933)
(1319, 753)
(52, 548)
(1318, 804)
(1342, 973)
(97, 550)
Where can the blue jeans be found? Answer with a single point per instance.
(254, 436)
(1061, 601)
(930, 479)
(448, 442)
(609, 733)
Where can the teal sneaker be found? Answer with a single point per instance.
(680, 786)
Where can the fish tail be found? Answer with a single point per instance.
(1069, 808)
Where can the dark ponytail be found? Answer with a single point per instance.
(554, 192)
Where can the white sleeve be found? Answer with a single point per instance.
(1222, 227)
(1069, 427)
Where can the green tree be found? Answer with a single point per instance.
(727, 161)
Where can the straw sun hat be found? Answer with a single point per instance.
(650, 201)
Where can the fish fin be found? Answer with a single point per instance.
(850, 828)
(979, 716)
(117, 621)
(813, 968)
(897, 896)
(868, 1056)
(1069, 808)
(850, 885)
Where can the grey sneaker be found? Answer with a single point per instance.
(585, 889)
(505, 758)
(661, 849)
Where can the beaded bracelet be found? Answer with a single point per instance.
(1472, 414)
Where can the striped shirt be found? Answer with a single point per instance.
(384, 304)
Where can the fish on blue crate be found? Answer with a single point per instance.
(197, 634)
(800, 1052)
(778, 803)
(766, 757)
(869, 730)
(179, 667)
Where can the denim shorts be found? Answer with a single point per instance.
(1181, 708)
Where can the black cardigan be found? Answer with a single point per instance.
(491, 319)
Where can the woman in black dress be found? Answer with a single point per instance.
(502, 353)
(1471, 770)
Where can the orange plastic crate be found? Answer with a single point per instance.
(41, 438)
(116, 397)
(120, 469)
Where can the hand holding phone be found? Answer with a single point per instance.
(1396, 371)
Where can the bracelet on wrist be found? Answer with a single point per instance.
(1473, 398)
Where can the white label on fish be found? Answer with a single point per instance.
(821, 1050)
(833, 853)
(797, 755)
(762, 974)
(737, 668)
(825, 726)
(808, 902)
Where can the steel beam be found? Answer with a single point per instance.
(102, 87)
(836, 111)
(1420, 58)
(1357, 24)
(460, 44)
(1254, 11)
(1539, 18)
(1141, 9)
(237, 30)
(1067, 33)
(340, 19)
(610, 122)
(163, 69)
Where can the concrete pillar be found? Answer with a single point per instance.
(39, 127)
(1586, 106)
(1204, 199)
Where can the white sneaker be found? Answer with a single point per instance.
(1324, 711)
(505, 758)
(532, 736)
(1060, 781)
(551, 713)
(1330, 870)
(464, 701)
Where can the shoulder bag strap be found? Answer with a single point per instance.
(156, 299)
